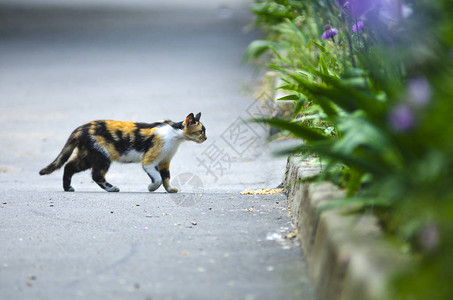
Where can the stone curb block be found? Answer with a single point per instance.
(346, 255)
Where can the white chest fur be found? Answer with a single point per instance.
(172, 138)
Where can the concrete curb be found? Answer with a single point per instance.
(346, 255)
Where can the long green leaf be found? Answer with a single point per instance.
(298, 130)
(351, 160)
(318, 45)
(289, 97)
(256, 48)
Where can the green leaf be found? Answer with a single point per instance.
(269, 9)
(298, 130)
(290, 97)
(354, 182)
(258, 47)
(297, 32)
(328, 108)
(350, 159)
(318, 45)
(297, 107)
(323, 67)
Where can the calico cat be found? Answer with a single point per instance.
(100, 142)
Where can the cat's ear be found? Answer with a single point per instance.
(190, 119)
(197, 117)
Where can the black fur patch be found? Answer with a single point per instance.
(147, 125)
(178, 125)
(164, 173)
(122, 145)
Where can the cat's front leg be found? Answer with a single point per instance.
(170, 189)
(154, 175)
(164, 170)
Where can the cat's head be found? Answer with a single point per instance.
(194, 129)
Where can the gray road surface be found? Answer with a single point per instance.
(64, 64)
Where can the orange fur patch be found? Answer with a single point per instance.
(147, 132)
(114, 155)
(164, 166)
(126, 128)
(150, 156)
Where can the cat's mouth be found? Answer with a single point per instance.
(202, 139)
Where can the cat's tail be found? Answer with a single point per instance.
(64, 155)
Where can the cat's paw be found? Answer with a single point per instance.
(69, 189)
(154, 186)
(172, 190)
(113, 189)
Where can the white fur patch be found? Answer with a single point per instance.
(156, 179)
(99, 147)
(172, 139)
(131, 156)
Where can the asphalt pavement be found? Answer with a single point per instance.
(64, 64)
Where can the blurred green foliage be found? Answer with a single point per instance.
(373, 95)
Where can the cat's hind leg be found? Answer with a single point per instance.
(153, 172)
(101, 165)
(164, 170)
(78, 164)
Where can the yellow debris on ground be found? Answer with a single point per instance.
(262, 192)
(291, 235)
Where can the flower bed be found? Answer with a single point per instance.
(372, 86)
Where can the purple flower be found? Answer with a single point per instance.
(419, 91)
(358, 26)
(402, 118)
(329, 33)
